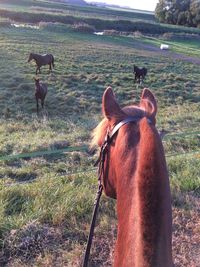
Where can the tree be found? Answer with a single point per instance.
(161, 10)
(180, 12)
(195, 12)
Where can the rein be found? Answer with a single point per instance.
(100, 162)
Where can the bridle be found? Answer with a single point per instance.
(100, 162)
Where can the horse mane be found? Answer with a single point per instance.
(145, 71)
(136, 68)
(149, 158)
(99, 133)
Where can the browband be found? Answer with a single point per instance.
(122, 123)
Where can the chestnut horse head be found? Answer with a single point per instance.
(135, 173)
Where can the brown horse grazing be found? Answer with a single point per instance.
(42, 60)
(40, 92)
(135, 173)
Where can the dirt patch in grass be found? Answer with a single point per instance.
(23, 246)
(22, 177)
(186, 238)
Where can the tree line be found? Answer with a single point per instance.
(179, 12)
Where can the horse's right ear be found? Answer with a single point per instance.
(36, 79)
(110, 107)
(148, 103)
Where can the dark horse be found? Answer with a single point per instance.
(135, 173)
(139, 73)
(40, 92)
(42, 60)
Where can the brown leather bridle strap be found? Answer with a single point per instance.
(100, 161)
(109, 136)
(122, 123)
(92, 226)
(96, 203)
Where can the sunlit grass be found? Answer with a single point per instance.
(188, 46)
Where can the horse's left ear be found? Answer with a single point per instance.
(110, 107)
(148, 103)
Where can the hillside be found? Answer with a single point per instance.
(99, 19)
(72, 2)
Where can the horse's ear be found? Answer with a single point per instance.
(36, 79)
(148, 102)
(110, 107)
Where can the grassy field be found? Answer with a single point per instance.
(46, 202)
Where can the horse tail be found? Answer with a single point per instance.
(53, 62)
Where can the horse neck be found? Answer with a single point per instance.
(36, 57)
(38, 87)
(143, 206)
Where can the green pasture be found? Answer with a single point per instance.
(54, 194)
(186, 46)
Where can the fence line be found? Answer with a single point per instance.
(44, 153)
(170, 136)
(83, 148)
(66, 174)
(191, 153)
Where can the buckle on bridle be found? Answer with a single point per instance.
(103, 148)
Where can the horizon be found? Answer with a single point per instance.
(148, 5)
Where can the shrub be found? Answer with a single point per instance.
(180, 36)
(111, 32)
(54, 26)
(137, 34)
(168, 36)
(84, 28)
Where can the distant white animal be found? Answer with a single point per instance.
(164, 47)
(99, 33)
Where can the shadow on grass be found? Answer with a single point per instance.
(33, 240)
(22, 177)
(15, 202)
